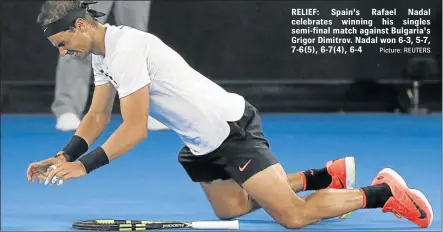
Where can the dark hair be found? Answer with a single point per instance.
(52, 11)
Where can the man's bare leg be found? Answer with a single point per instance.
(388, 190)
(270, 189)
(229, 200)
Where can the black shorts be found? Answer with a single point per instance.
(244, 153)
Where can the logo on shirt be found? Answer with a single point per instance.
(110, 77)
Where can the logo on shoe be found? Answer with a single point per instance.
(341, 183)
(423, 214)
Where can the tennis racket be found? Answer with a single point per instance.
(132, 225)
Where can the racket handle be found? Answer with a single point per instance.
(226, 225)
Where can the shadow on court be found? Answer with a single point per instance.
(149, 183)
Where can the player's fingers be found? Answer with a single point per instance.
(41, 177)
(31, 177)
(66, 177)
(37, 172)
(52, 173)
(62, 177)
(57, 176)
(34, 174)
(49, 168)
(49, 175)
(31, 172)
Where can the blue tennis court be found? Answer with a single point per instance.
(149, 183)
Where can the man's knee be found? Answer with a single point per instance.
(227, 198)
(225, 215)
(291, 222)
(232, 209)
(293, 217)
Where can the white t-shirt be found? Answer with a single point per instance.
(184, 100)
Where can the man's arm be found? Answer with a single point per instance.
(130, 73)
(135, 111)
(93, 123)
(99, 114)
(134, 129)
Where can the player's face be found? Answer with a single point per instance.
(74, 43)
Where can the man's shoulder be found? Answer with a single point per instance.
(127, 43)
(126, 49)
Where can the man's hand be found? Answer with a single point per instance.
(65, 171)
(39, 169)
(61, 156)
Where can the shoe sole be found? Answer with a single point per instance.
(350, 172)
(417, 192)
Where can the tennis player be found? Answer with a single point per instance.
(225, 148)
